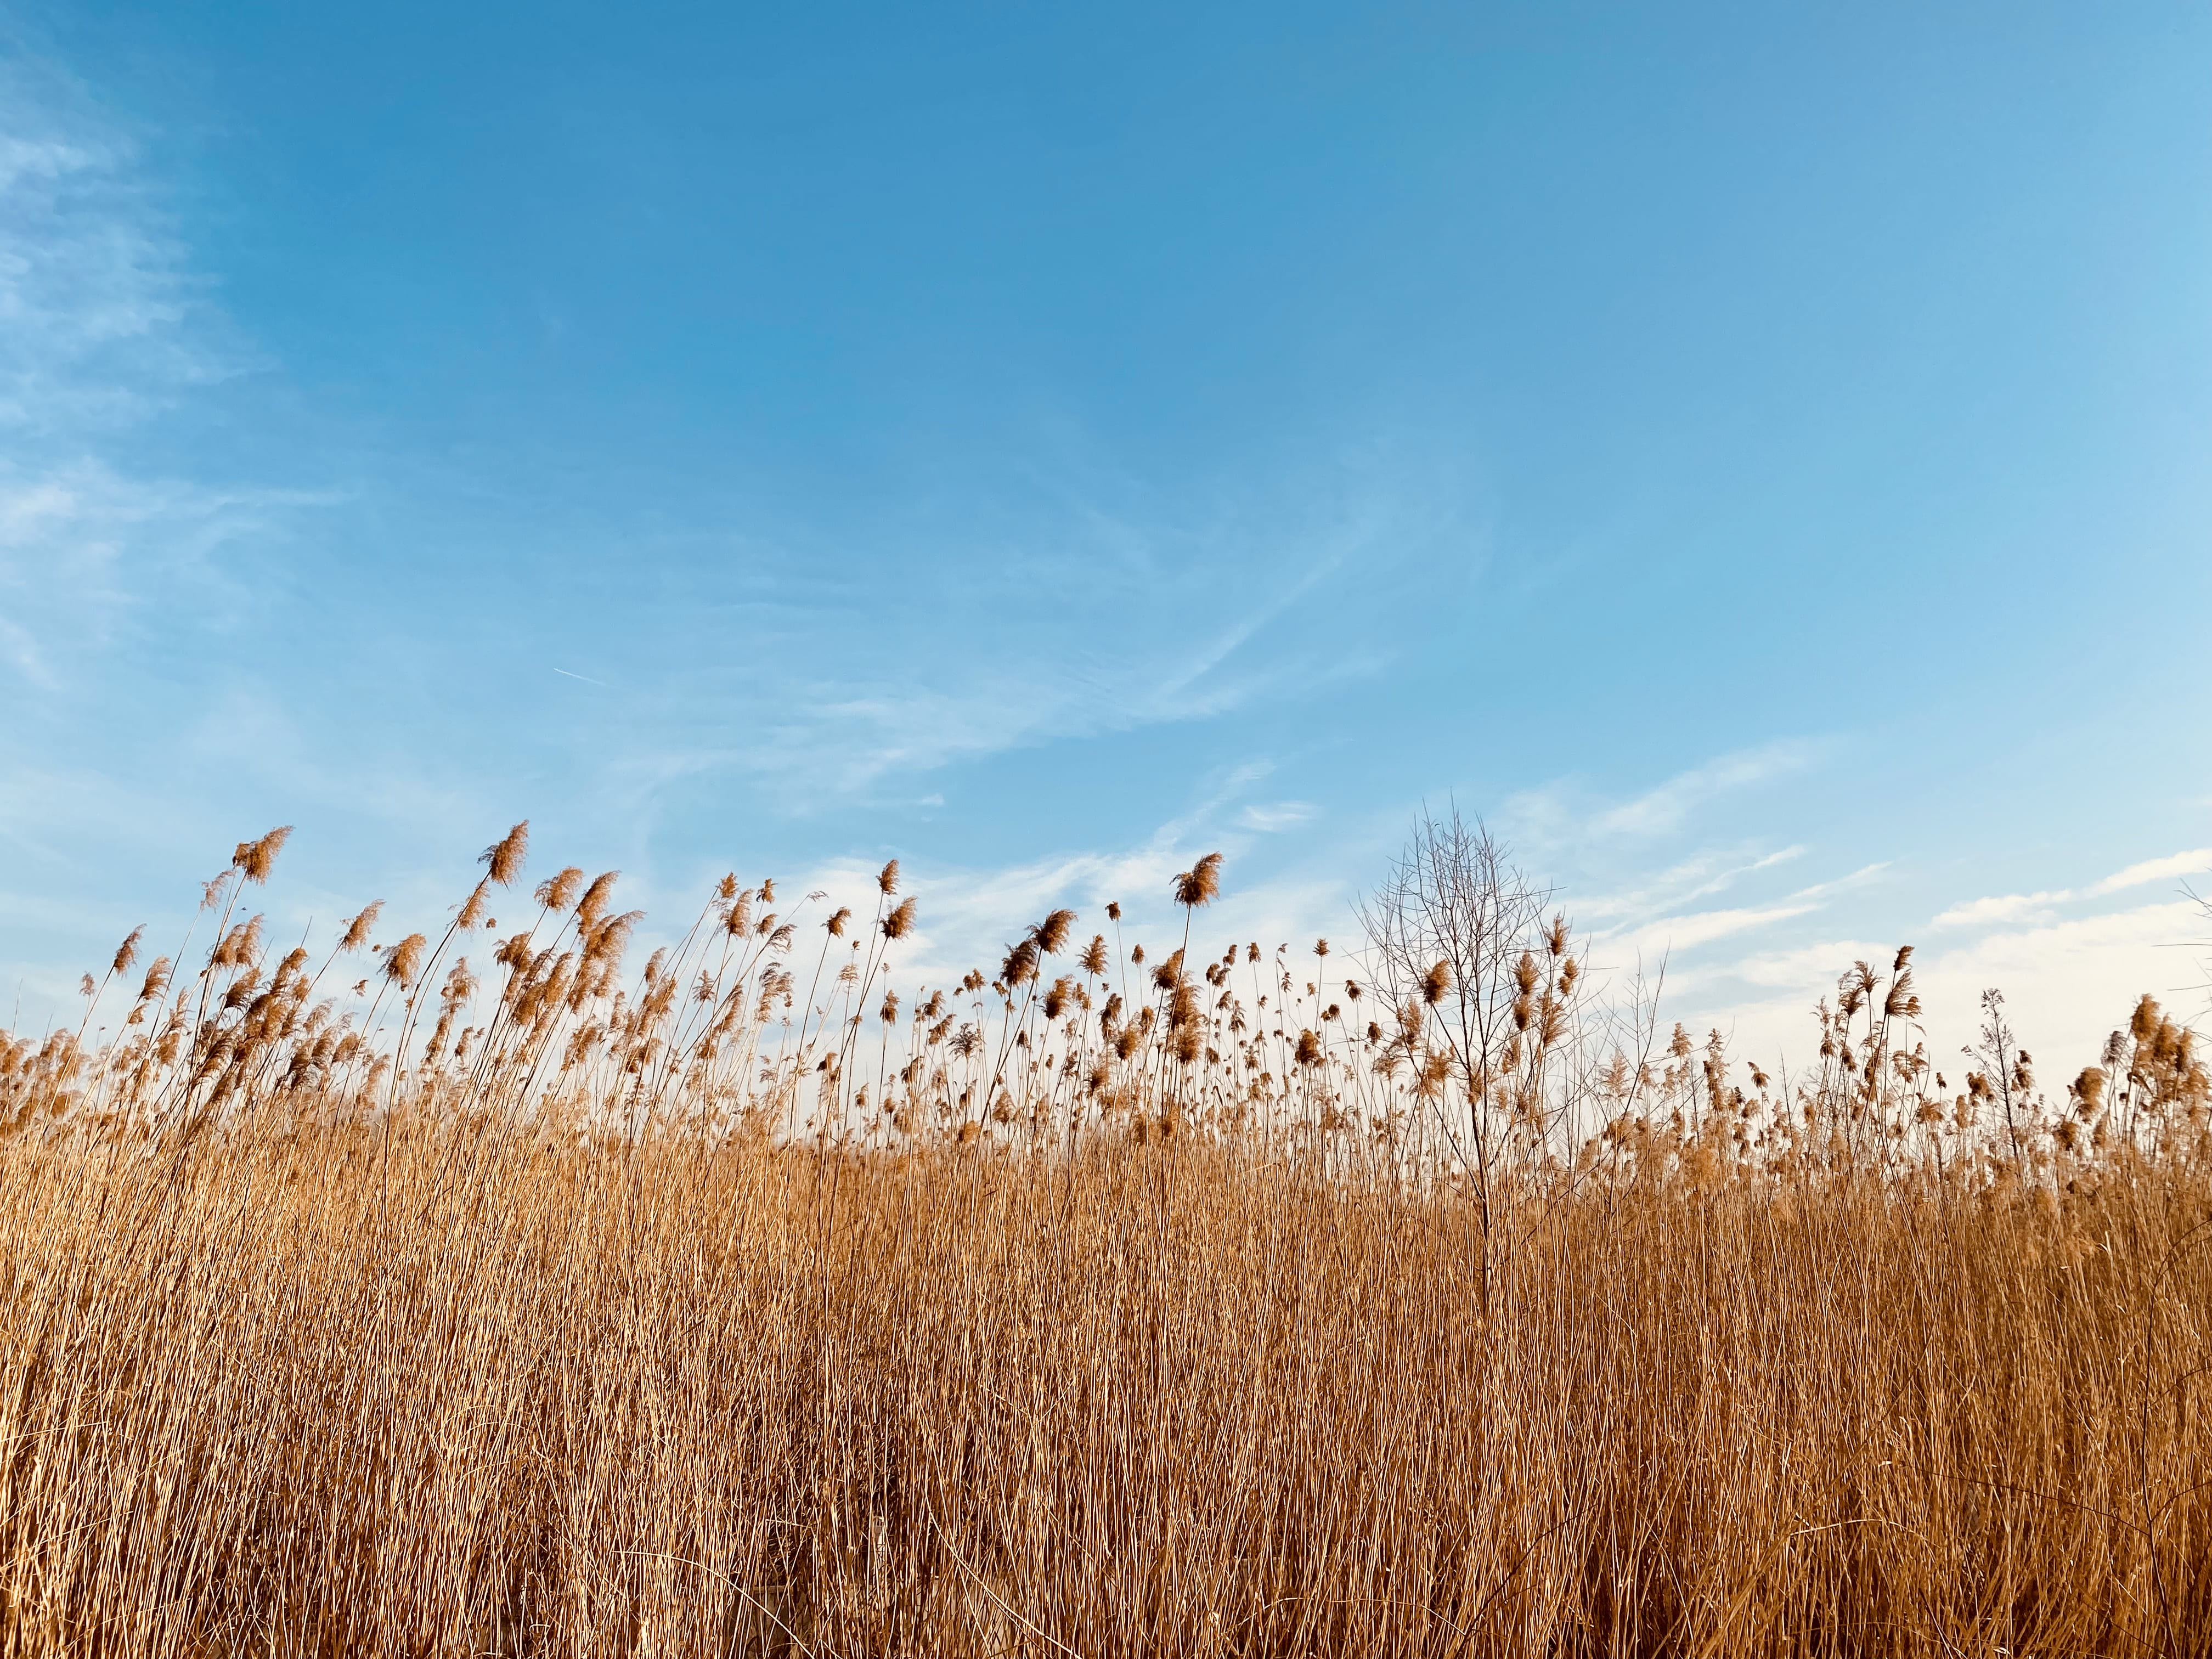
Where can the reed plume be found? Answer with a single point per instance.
(1199, 883)
(503, 858)
(256, 859)
(403, 962)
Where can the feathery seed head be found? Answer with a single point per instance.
(460, 984)
(604, 945)
(1199, 883)
(593, 904)
(1900, 999)
(404, 961)
(1435, 982)
(256, 858)
(503, 858)
(558, 892)
(473, 912)
(127, 952)
(2089, 1087)
(887, 881)
(238, 948)
(356, 931)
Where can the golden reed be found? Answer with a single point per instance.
(541, 1309)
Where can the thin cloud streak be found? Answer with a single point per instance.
(101, 320)
(2015, 906)
(1667, 806)
(1685, 932)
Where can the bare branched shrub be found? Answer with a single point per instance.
(1490, 1001)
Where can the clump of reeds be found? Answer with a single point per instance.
(1111, 1306)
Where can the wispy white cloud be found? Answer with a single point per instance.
(823, 741)
(83, 544)
(1689, 931)
(1810, 965)
(1602, 846)
(1685, 883)
(1274, 816)
(1101, 610)
(1865, 874)
(1667, 806)
(101, 317)
(2175, 866)
(102, 323)
(1218, 649)
(2017, 907)
(1685, 932)
(1988, 912)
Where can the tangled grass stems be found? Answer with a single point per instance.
(573, 1315)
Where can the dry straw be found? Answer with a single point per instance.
(1181, 1314)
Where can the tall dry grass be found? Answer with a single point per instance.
(621, 1324)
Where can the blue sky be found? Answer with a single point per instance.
(1756, 458)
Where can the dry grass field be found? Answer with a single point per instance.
(1403, 1299)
